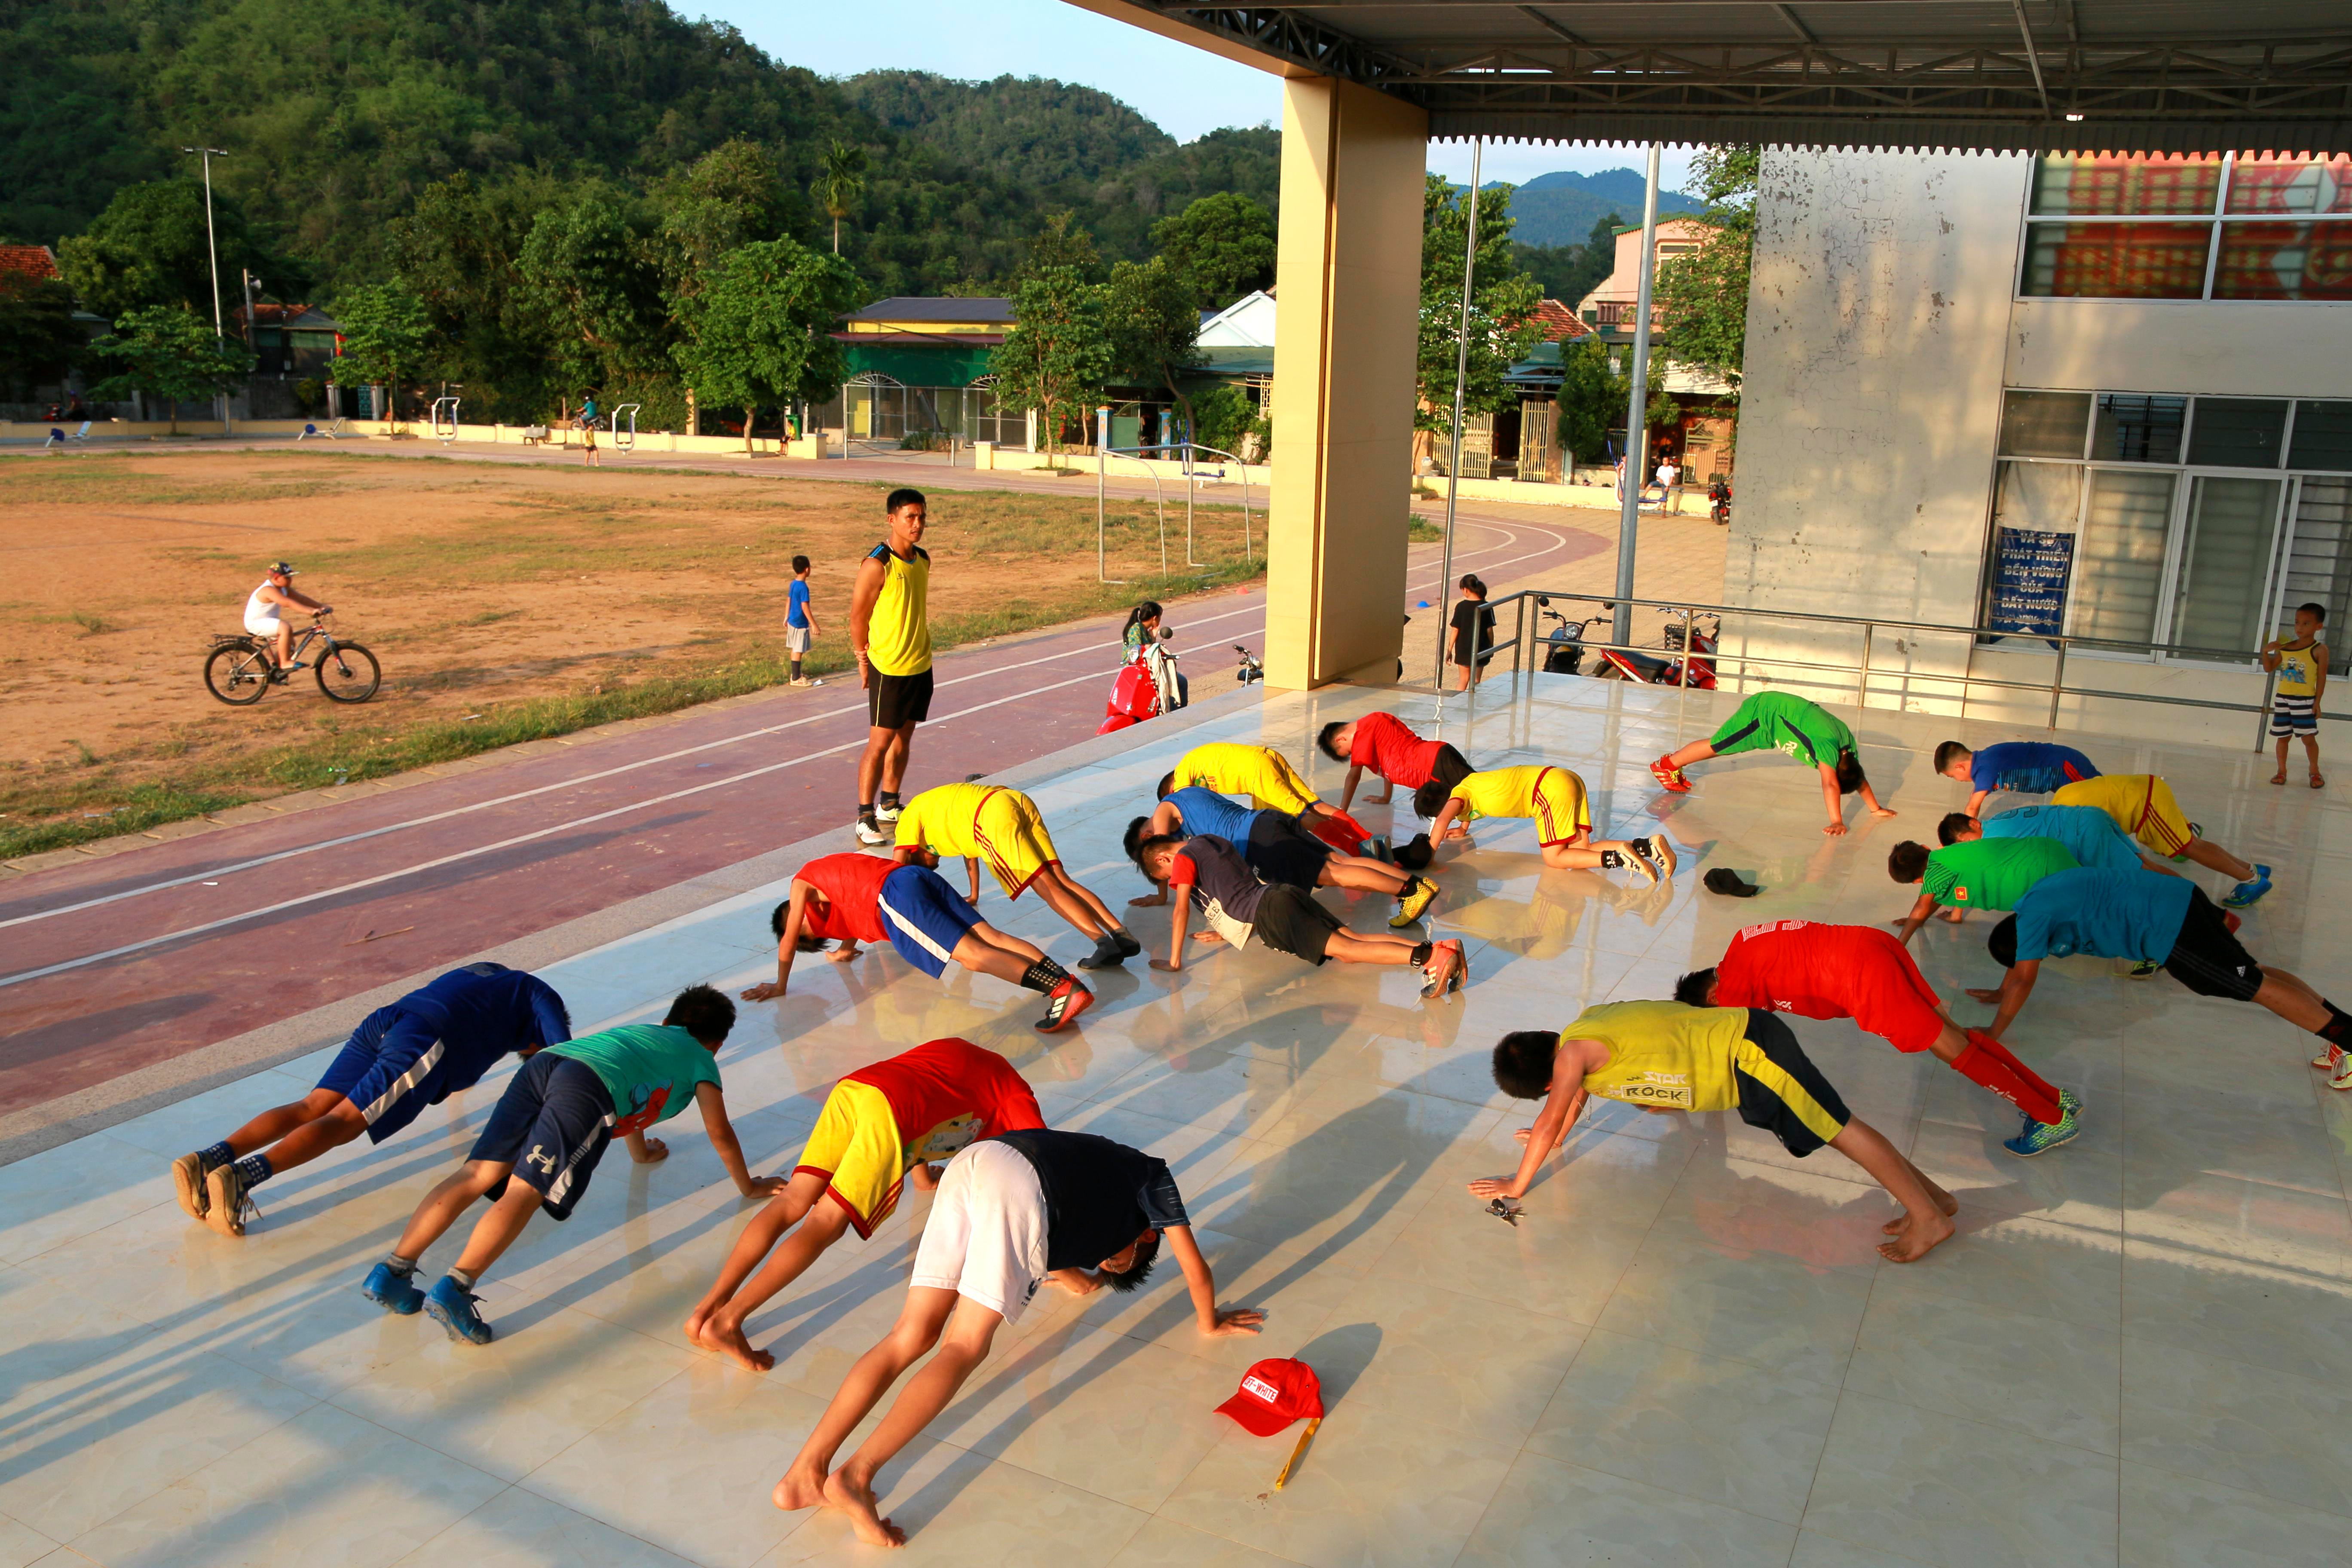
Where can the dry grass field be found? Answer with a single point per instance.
(505, 603)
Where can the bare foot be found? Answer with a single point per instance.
(1920, 1237)
(1943, 1200)
(725, 1335)
(693, 1321)
(856, 1500)
(802, 1486)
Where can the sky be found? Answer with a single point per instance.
(1186, 91)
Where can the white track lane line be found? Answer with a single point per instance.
(214, 872)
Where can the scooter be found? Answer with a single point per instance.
(1146, 687)
(1251, 668)
(1718, 499)
(1565, 647)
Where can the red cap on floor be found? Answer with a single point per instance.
(1273, 1395)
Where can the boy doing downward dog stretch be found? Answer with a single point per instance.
(2089, 836)
(2165, 920)
(1002, 826)
(1384, 745)
(2142, 805)
(1237, 906)
(1978, 874)
(1777, 722)
(414, 1053)
(2022, 767)
(853, 899)
(1664, 1056)
(2301, 661)
(1554, 799)
(1011, 1213)
(1266, 777)
(882, 1126)
(1279, 850)
(545, 1137)
(1854, 971)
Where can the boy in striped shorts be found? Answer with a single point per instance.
(1554, 799)
(2142, 805)
(1003, 826)
(2302, 665)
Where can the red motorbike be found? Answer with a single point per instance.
(1565, 647)
(1145, 688)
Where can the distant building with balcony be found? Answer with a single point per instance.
(1701, 441)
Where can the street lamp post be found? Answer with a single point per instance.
(212, 245)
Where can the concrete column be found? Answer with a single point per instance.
(1347, 302)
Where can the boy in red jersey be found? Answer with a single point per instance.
(1386, 745)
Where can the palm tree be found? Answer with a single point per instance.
(841, 176)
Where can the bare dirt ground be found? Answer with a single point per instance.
(482, 589)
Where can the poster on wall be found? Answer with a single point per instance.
(2029, 587)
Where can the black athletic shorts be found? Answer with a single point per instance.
(1290, 921)
(1786, 1095)
(552, 1124)
(1282, 852)
(1450, 767)
(895, 701)
(2206, 956)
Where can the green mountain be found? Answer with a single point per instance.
(1560, 208)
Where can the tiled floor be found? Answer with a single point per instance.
(2138, 1349)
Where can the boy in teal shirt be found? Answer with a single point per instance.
(2089, 834)
(1781, 721)
(546, 1135)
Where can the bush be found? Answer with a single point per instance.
(310, 395)
(1223, 415)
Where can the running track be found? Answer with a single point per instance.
(140, 957)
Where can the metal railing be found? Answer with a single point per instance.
(1960, 686)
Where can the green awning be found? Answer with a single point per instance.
(920, 364)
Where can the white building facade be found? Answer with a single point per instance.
(2103, 397)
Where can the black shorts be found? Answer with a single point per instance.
(2206, 956)
(1450, 766)
(1284, 853)
(1290, 921)
(1797, 1106)
(895, 701)
(552, 1125)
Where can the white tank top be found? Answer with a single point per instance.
(258, 608)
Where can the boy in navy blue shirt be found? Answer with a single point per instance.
(403, 1057)
(2022, 767)
(800, 622)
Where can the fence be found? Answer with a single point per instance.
(875, 410)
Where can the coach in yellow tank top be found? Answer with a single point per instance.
(890, 630)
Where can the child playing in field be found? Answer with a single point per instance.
(800, 622)
(2302, 665)
(882, 1126)
(1664, 1056)
(2022, 767)
(1780, 721)
(1554, 799)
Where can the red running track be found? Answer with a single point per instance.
(139, 957)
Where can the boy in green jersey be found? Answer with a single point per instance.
(1973, 874)
(1779, 722)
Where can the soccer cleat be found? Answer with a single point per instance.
(1671, 777)
(393, 1293)
(867, 833)
(2342, 1077)
(1108, 954)
(2041, 1137)
(225, 1204)
(2246, 893)
(1062, 1007)
(2069, 1102)
(1445, 971)
(188, 1176)
(1414, 902)
(1655, 849)
(2328, 1059)
(885, 811)
(2143, 968)
(451, 1305)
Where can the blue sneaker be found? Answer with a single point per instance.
(393, 1293)
(2041, 1137)
(451, 1305)
(2246, 893)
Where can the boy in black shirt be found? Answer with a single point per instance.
(1012, 1211)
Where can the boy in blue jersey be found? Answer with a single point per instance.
(543, 1141)
(416, 1052)
(800, 622)
(2022, 767)
(2169, 921)
(2089, 835)
(1280, 850)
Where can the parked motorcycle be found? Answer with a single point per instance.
(1565, 647)
(1718, 500)
(1146, 687)
(1251, 669)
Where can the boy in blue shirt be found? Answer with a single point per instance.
(545, 1137)
(2089, 835)
(2022, 767)
(2168, 920)
(1279, 849)
(800, 622)
(414, 1053)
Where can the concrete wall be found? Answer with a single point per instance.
(2182, 345)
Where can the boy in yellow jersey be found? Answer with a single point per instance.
(891, 631)
(2302, 665)
(1554, 799)
(1003, 828)
(2142, 805)
(1664, 1056)
(1266, 775)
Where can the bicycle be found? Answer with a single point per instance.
(241, 667)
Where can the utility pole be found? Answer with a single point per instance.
(1637, 410)
(212, 245)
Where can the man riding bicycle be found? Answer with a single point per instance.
(265, 612)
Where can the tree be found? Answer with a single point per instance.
(38, 340)
(1153, 317)
(149, 247)
(384, 329)
(759, 333)
(1502, 325)
(587, 268)
(1702, 295)
(172, 353)
(732, 196)
(1223, 243)
(1064, 242)
(1570, 272)
(1592, 398)
(460, 249)
(840, 180)
(1058, 354)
